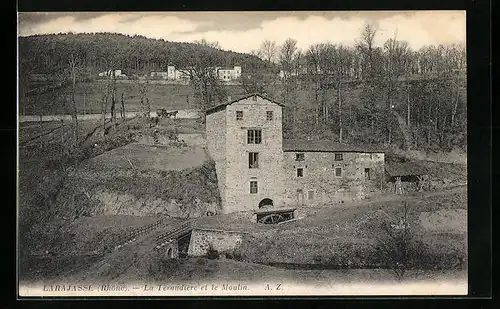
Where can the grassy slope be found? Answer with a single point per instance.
(160, 96)
(345, 234)
(40, 177)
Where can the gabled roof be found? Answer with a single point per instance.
(296, 145)
(404, 169)
(222, 106)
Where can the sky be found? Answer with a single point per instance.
(245, 31)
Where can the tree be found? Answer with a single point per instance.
(396, 65)
(143, 94)
(365, 46)
(268, 50)
(313, 58)
(287, 61)
(202, 73)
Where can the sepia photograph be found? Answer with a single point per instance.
(242, 153)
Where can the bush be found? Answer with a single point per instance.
(233, 255)
(212, 253)
(397, 247)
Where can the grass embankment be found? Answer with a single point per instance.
(352, 236)
(185, 193)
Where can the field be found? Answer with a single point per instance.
(147, 157)
(88, 98)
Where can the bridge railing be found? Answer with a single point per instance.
(132, 235)
(162, 238)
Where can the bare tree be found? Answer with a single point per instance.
(143, 93)
(122, 110)
(268, 50)
(287, 57)
(202, 73)
(113, 97)
(365, 45)
(313, 59)
(397, 62)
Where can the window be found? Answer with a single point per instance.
(254, 136)
(367, 174)
(310, 195)
(253, 187)
(300, 172)
(339, 157)
(299, 157)
(254, 98)
(338, 172)
(253, 160)
(269, 115)
(239, 115)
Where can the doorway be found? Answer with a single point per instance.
(367, 174)
(300, 197)
(267, 202)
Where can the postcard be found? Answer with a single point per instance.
(242, 153)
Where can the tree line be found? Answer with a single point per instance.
(135, 54)
(388, 94)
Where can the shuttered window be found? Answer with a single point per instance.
(253, 187)
(254, 136)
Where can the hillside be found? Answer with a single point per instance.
(48, 54)
(88, 98)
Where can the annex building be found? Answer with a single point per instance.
(256, 168)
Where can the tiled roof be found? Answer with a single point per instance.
(294, 145)
(222, 106)
(404, 168)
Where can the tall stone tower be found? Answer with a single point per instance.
(245, 139)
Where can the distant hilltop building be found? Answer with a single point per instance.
(256, 168)
(226, 74)
(172, 73)
(118, 73)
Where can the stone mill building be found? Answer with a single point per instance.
(256, 168)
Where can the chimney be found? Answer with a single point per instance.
(229, 98)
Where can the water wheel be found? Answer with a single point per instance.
(271, 219)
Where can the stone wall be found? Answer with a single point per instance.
(202, 240)
(170, 249)
(216, 144)
(319, 177)
(269, 174)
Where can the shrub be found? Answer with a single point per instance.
(397, 247)
(212, 253)
(233, 255)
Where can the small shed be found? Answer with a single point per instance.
(408, 171)
(411, 175)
